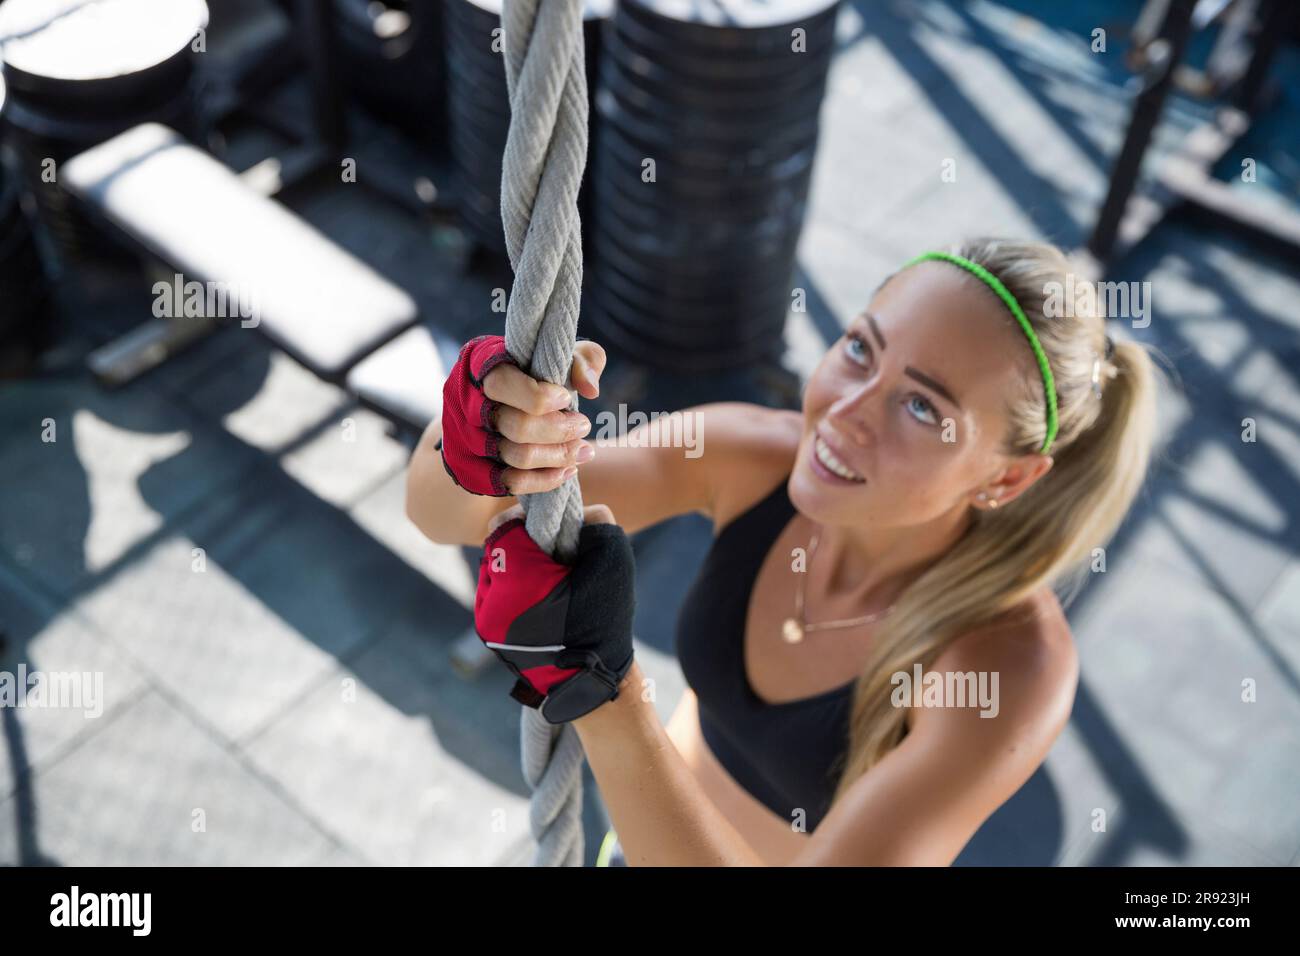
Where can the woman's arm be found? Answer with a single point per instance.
(919, 805)
(661, 815)
(646, 477)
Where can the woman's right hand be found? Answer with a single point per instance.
(505, 432)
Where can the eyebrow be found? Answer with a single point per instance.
(931, 383)
(919, 376)
(875, 329)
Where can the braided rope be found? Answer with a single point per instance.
(545, 154)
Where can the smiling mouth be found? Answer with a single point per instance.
(826, 458)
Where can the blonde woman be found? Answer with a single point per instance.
(958, 457)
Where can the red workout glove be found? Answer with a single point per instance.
(565, 632)
(469, 442)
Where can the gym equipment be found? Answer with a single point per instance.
(24, 292)
(401, 379)
(78, 74)
(691, 269)
(478, 108)
(1164, 32)
(541, 175)
(392, 54)
(316, 301)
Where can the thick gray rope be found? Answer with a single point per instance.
(545, 154)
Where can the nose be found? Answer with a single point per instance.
(851, 412)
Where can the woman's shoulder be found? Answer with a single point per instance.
(1028, 656)
(751, 450)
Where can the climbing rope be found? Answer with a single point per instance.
(545, 154)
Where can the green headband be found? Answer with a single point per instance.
(994, 283)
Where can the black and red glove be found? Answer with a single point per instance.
(469, 440)
(565, 631)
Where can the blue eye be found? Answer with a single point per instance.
(928, 410)
(862, 350)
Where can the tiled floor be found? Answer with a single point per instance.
(224, 539)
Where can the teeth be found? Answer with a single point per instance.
(827, 458)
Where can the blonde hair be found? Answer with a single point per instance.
(1100, 458)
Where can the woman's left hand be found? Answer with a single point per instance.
(565, 631)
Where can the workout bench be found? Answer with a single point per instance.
(323, 306)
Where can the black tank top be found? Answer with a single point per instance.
(787, 755)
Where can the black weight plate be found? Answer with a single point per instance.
(670, 244)
(696, 257)
(689, 261)
(474, 50)
(664, 70)
(776, 141)
(473, 11)
(695, 286)
(720, 289)
(746, 162)
(663, 200)
(710, 129)
(478, 81)
(780, 71)
(481, 97)
(741, 109)
(488, 126)
(733, 17)
(693, 276)
(684, 309)
(737, 334)
(760, 86)
(658, 86)
(688, 274)
(473, 53)
(676, 362)
(677, 227)
(722, 330)
(721, 333)
(706, 232)
(752, 166)
(672, 239)
(747, 46)
(484, 110)
(672, 191)
(484, 227)
(696, 48)
(479, 113)
(591, 9)
(470, 148)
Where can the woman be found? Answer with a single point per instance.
(919, 511)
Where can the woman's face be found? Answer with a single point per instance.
(911, 404)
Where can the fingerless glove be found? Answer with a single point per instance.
(565, 632)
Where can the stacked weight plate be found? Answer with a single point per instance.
(23, 290)
(478, 108)
(691, 266)
(393, 53)
(79, 74)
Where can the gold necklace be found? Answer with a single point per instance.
(795, 628)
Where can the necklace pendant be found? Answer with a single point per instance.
(792, 631)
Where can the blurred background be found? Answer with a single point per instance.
(241, 242)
